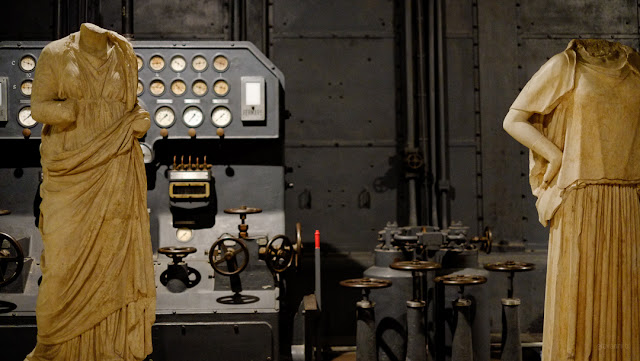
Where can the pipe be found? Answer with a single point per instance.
(443, 134)
(431, 45)
(410, 144)
(127, 19)
(58, 20)
(318, 290)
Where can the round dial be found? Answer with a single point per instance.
(221, 87)
(199, 63)
(140, 62)
(184, 234)
(164, 117)
(178, 63)
(140, 89)
(199, 88)
(192, 117)
(156, 87)
(147, 153)
(156, 63)
(178, 87)
(25, 119)
(221, 117)
(25, 87)
(27, 63)
(220, 63)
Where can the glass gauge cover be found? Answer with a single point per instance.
(199, 88)
(184, 234)
(156, 63)
(221, 87)
(140, 89)
(178, 87)
(140, 62)
(156, 87)
(164, 117)
(25, 119)
(25, 87)
(147, 153)
(27, 63)
(220, 63)
(199, 63)
(192, 117)
(221, 117)
(178, 63)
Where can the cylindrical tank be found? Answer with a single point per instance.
(391, 303)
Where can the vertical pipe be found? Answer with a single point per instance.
(366, 349)
(318, 279)
(416, 343)
(462, 344)
(127, 19)
(511, 346)
(410, 144)
(58, 20)
(443, 181)
(431, 46)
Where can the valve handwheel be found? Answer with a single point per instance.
(298, 247)
(177, 253)
(226, 250)
(11, 259)
(279, 255)
(243, 210)
(365, 283)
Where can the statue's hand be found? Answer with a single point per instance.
(555, 161)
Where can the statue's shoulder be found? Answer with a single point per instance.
(60, 46)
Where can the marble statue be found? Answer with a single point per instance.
(97, 296)
(580, 117)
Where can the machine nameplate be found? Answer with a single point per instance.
(189, 175)
(192, 101)
(164, 101)
(253, 107)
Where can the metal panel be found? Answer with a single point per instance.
(186, 19)
(459, 19)
(577, 16)
(463, 180)
(374, 17)
(460, 92)
(338, 89)
(335, 178)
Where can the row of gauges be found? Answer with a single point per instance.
(178, 63)
(192, 116)
(178, 87)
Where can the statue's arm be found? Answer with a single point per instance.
(517, 124)
(46, 105)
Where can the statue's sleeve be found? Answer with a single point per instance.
(548, 85)
(46, 105)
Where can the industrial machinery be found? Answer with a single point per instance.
(213, 154)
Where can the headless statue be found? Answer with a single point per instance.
(97, 296)
(580, 117)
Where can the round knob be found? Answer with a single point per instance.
(220, 132)
(164, 132)
(26, 133)
(192, 132)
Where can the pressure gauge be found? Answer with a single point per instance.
(221, 87)
(156, 87)
(199, 88)
(25, 87)
(221, 117)
(27, 63)
(25, 119)
(178, 87)
(164, 117)
(140, 62)
(220, 63)
(184, 234)
(156, 63)
(140, 89)
(192, 117)
(199, 63)
(178, 63)
(147, 153)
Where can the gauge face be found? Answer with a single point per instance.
(140, 89)
(140, 62)
(199, 63)
(221, 87)
(147, 153)
(156, 63)
(156, 87)
(184, 234)
(25, 119)
(27, 63)
(221, 117)
(199, 88)
(178, 87)
(25, 87)
(164, 117)
(192, 117)
(220, 63)
(178, 63)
